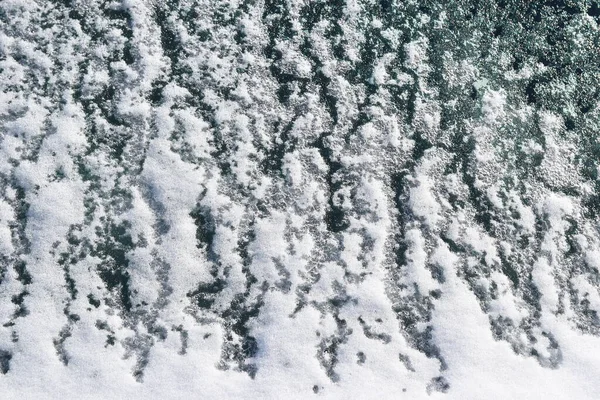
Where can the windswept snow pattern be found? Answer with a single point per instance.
(295, 199)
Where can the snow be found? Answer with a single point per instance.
(298, 199)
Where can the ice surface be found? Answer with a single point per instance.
(287, 199)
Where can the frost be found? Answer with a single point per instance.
(288, 199)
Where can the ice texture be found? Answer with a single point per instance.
(293, 199)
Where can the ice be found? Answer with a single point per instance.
(295, 199)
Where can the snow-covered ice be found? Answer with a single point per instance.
(288, 199)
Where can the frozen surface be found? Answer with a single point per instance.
(288, 199)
